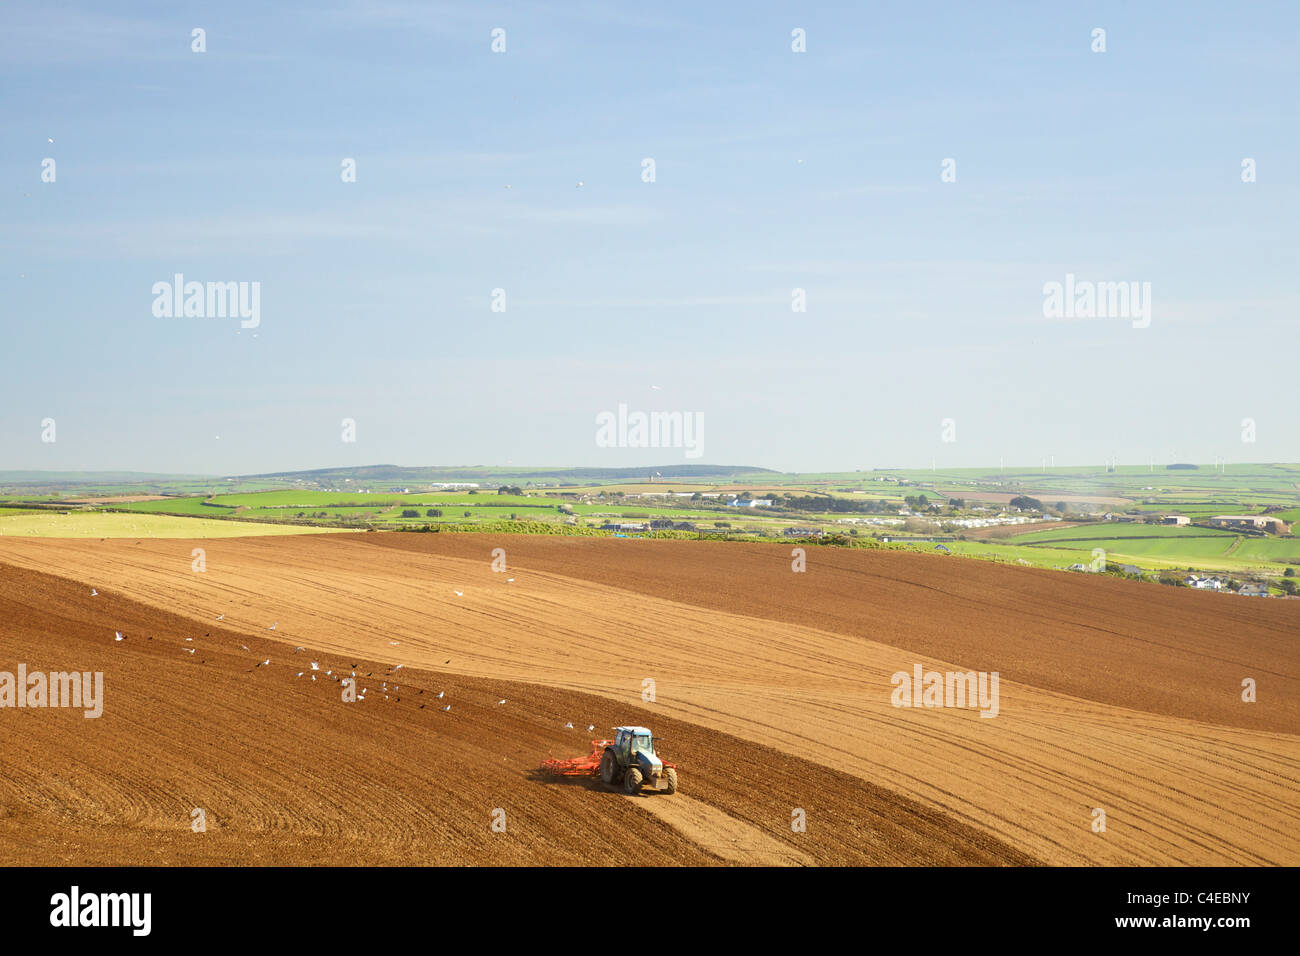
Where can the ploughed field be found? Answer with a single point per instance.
(771, 692)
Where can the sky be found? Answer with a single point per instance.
(921, 172)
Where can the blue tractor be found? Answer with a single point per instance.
(630, 758)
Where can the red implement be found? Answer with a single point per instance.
(578, 766)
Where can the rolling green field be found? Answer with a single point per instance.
(1161, 546)
(296, 502)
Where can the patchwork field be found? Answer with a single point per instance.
(772, 693)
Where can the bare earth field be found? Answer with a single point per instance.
(772, 692)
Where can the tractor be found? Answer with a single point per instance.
(630, 756)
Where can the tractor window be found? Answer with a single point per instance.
(642, 742)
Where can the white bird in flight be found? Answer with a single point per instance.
(220, 617)
(272, 627)
(440, 693)
(501, 701)
(119, 636)
(94, 593)
(569, 725)
(188, 650)
(459, 593)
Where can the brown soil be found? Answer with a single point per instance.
(772, 693)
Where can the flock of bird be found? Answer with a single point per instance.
(315, 666)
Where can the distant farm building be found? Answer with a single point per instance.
(1178, 520)
(1257, 522)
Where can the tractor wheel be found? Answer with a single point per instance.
(632, 782)
(671, 774)
(608, 767)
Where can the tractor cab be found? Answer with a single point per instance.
(632, 758)
(631, 740)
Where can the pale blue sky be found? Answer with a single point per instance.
(924, 298)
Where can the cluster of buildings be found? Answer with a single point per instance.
(1255, 522)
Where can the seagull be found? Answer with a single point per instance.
(244, 646)
(580, 184)
(510, 580)
(590, 728)
(188, 650)
(459, 593)
(657, 388)
(501, 701)
(220, 616)
(119, 636)
(272, 627)
(440, 693)
(448, 707)
(399, 667)
(189, 638)
(315, 665)
(300, 673)
(393, 643)
(263, 664)
(94, 593)
(298, 649)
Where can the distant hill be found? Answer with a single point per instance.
(481, 473)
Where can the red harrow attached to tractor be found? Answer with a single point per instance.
(629, 759)
(578, 766)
